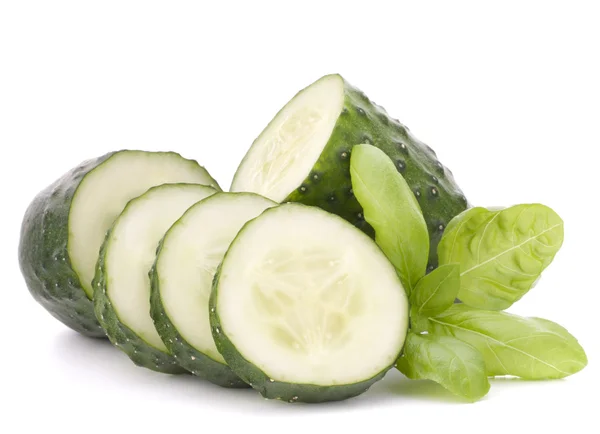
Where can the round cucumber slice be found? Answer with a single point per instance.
(303, 156)
(64, 226)
(122, 282)
(182, 278)
(305, 307)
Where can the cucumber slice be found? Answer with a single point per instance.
(122, 283)
(182, 278)
(63, 228)
(303, 155)
(305, 307)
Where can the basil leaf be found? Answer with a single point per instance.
(433, 294)
(502, 253)
(531, 348)
(391, 208)
(455, 365)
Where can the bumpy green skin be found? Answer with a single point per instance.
(44, 258)
(186, 355)
(121, 336)
(329, 186)
(267, 387)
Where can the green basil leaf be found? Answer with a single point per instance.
(530, 348)
(455, 222)
(391, 208)
(502, 253)
(433, 294)
(455, 365)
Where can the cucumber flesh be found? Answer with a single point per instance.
(103, 194)
(64, 226)
(303, 156)
(305, 307)
(182, 278)
(289, 147)
(122, 283)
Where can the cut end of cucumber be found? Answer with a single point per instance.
(104, 192)
(289, 147)
(303, 156)
(131, 248)
(306, 298)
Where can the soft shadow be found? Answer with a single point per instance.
(76, 347)
(91, 357)
(96, 358)
(423, 390)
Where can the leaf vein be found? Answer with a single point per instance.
(500, 343)
(494, 258)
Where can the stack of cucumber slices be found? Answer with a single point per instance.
(339, 253)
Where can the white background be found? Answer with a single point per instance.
(508, 95)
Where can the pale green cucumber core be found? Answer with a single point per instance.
(289, 147)
(131, 251)
(308, 298)
(104, 192)
(190, 254)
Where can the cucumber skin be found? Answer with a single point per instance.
(268, 388)
(187, 356)
(44, 259)
(121, 336)
(362, 121)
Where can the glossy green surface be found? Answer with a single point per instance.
(44, 258)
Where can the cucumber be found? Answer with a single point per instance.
(122, 282)
(63, 228)
(303, 156)
(182, 278)
(306, 307)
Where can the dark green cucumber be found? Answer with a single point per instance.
(297, 318)
(65, 224)
(44, 258)
(341, 116)
(123, 337)
(122, 282)
(181, 284)
(184, 353)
